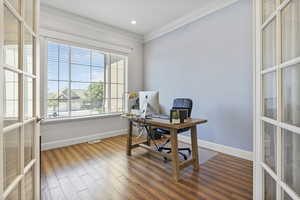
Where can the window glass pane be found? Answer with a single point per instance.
(52, 108)
(11, 156)
(268, 8)
(64, 92)
(114, 70)
(291, 160)
(15, 194)
(81, 102)
(121, 75)
(28, 52)
(52, 89)
(97, 59)
(11, 39)
(95, 93)
(87, 98)
(64, 53)
(64, 71)
(269, 95)
(15, 4)
(120, 91)
(106, 105)
(29, 13)
(63, 108)
(52, 70)
(80, 56)
(114, 105)
(80, 107)
(114, 74)
(29, 183)
(53, 50)
(269, 45)
(28, 97)
(120, 105)
(114, 91)
(28, 142)
(269, 142)
(291, 95)
(97, 74)
(81, 73)
(270, 187)
(11, 98)
(291, 30)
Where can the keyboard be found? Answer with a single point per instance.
(161, 116)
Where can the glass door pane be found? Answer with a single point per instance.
(269, 142)
(29, 185)
(11, 156)
(291, 31)
(291, 95)
(28, 52)
(269, 45)
(291, 160)
(29, 13)
(268, 7)
(15, 4)
(28, 100)
(28, 143)
(270, 187)
(11, 98)
(11, 39)
(269, 95)
(15, 194)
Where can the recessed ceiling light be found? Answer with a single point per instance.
(133, 22)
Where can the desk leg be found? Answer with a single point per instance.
(175, 157)
(129, 139)
(195, 147)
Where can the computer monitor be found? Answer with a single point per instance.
(149, 103)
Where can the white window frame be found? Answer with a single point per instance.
(44, 74)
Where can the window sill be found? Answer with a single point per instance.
(70, 119)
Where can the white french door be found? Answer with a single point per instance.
(19, 105)
(277, 91)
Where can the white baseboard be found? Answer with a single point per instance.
(78, 140)
(247, 155)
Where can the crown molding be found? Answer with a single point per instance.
(187, 19)
(92, 24)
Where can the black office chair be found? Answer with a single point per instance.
(179, 103)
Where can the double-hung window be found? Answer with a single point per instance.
(83, 81)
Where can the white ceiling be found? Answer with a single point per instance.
(149, 14)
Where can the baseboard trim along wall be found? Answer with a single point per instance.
(201, 143)
(247, 155)
(78, 140)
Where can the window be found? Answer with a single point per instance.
(84, 82)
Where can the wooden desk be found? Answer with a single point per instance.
(165, 124)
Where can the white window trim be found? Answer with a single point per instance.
(44, 78)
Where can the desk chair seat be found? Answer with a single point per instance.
(179, 103)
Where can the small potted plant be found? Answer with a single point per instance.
(133, 103)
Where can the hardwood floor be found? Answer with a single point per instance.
(102, 171)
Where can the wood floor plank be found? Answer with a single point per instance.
(103, 171)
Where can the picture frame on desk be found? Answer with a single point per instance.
(178, 116)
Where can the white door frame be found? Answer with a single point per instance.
(34, 164)
(259, 165)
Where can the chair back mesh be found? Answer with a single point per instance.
(182, 103)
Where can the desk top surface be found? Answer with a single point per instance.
(165, 123)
